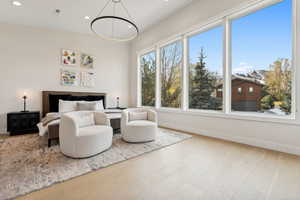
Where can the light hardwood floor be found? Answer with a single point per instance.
(199, 168)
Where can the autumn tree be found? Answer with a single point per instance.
(148, 73)
(278, 82)
(171, 64)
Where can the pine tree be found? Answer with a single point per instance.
(202, 86)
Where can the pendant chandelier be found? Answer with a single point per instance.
(113, 26)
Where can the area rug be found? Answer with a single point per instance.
(27, 164)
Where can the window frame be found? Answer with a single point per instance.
(218, 23)
(140, 77)
(162, 45)
(248, 11)
(225, 19)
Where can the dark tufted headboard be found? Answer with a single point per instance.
(51, 99)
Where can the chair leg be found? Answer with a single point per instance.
(49, 142)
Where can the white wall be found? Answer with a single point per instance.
(30, 61)
(282, 136)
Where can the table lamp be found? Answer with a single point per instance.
(118, 102)
(24, 98)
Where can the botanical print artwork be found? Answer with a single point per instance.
(74, 77)
(87, 61)
(70, 78)
(87, 79)
(69, 57)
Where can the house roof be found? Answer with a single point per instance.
(248, 79)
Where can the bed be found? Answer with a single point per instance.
(50, 105)
(50, 99)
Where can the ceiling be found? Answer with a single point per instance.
(41, 13)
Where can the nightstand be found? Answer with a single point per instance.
(115, 115)
(22, 122)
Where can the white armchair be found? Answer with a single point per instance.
(84, 133)
(139, 125)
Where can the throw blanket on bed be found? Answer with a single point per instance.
(48, 119)
(51, 118)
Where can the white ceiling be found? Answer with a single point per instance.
(41, 13)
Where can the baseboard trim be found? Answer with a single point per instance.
(243, 140)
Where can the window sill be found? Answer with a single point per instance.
(291, 120)
(170, 109)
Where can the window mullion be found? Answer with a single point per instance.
(227, 67)
(295, 97)
(139, 82)
(185, 80)
(157, 79)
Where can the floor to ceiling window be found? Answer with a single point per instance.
(261, 60)
(206, 70)
(240, 64)
(171, 71)
(148, 78)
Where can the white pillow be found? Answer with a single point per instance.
(70, 106)
(138, 116)
(99, 105)
(87, 106)
(67, 106)
(86, 119)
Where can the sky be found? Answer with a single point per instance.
(258, 40)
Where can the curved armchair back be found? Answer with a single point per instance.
(71, 126)
(138, 127)
(151, 114)
(68, 129)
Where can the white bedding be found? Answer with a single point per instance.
(43, 130)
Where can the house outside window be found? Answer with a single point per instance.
(261, 55)
(240, 90)
(251, 90)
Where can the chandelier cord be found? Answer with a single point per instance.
(113, 20)
(127, 11)
(104, 8)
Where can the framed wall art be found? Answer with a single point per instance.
(70, 77)
(69, 57)
(87, 79)
(86, 61)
